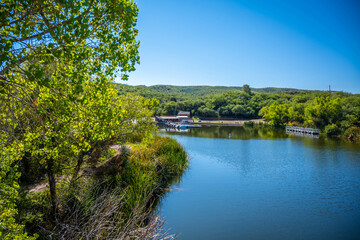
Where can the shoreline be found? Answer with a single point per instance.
(227, 122)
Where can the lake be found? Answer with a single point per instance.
(261, 184)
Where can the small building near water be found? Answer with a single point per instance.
(182, 117)
(184, 114)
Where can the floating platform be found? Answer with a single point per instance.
(181, 126)
(173, 130)
(302, 130)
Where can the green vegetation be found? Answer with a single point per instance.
(61, 118)
(335, 113)
(168, 92)
(114, 198)
(201, 101)
(153, 167)
(61, 115)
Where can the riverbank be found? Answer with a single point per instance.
(227, 122)
(121, 190)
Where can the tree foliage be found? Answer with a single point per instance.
(9, 228)
(58, 60)
(87, 36)
(276, 114)
(323, 111)
(246, 89)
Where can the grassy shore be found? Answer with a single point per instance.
(113, 200)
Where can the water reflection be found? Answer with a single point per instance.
(265, 133)
(265, 184)
(302, 134)
(235, 132)
(177, 130)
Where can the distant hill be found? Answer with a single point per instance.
(192, 90)
(278, 90)
(166, 91)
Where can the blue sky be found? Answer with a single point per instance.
(264, 43)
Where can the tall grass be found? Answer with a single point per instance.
(96, 212)
(118, 206)
(152, 167)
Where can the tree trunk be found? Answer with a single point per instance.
(52, 185)
(80, 161)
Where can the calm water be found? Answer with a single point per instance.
(265, 185)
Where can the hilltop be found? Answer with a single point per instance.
(183, 92)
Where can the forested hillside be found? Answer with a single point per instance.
(336, 113)
(163, 91)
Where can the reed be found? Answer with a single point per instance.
(111, 206)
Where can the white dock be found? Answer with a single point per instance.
(302, 130)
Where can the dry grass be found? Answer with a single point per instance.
(87, 217)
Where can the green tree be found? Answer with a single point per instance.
(55, 56)
(170, 108)
(323, 111)
(207, 112)
(246, 89)
(239, 111)
(296, 112)
(9, 186)
(276, 114)
(226, 110)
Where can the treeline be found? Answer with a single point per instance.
(335, 113)
(182, 92)
(206, 101)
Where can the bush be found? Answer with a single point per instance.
(353, 134)
(332, 130)
(207, 112)
(163, 158)
(248, 124)
(152, 167)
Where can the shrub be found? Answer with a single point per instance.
(248, 124)
(332, 130)
(353, 134)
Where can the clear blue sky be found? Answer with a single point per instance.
(305, 44)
